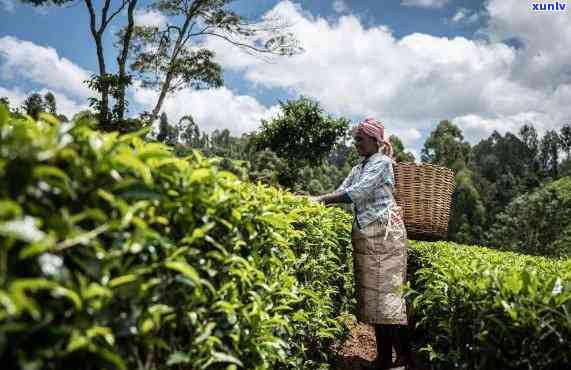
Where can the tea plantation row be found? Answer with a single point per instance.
(477, 308)
(116, 254)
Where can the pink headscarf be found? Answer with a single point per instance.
(375, 129)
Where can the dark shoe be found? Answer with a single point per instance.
(403, 361)
(379, 364)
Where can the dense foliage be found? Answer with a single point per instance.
(114, 253)
(301, 134)
(537, 223)
(494, 173)
(476, 308)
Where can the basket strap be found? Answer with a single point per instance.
(391, 215)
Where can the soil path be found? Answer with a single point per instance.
(359, 350)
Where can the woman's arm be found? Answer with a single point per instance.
(339, 195)
(335, 197)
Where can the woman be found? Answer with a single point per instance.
(379, 242)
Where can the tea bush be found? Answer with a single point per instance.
(116, 254)
(478, 308)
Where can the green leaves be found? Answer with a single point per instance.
(219, 357)
(114, 251)
(481, 308)
(300, 135)
(185, 269)
(129, 160)
(4, 114)
(537, 223)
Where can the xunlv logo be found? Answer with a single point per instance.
(554, 7)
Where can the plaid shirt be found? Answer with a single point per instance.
(364, 186)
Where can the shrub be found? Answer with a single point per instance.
(116, 254)
(476, 308)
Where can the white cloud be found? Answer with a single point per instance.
(409, 136)
(65, 105)
(211, 109)
(150, 18)
(8, 5)
(465, 16)
(339, 6)
(413, 82)
(543, 62)
(42, 65)
(15, 96)
(425, 3)
(476, 127)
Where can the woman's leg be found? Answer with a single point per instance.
(385, 336)
(402, 345)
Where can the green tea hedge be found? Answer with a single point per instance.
(116, 254)
(478, 308)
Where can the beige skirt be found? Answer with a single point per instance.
(380, 272)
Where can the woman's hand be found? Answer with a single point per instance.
(314, 198)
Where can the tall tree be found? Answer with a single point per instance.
(446, 146)
(565, 136)
(549, 154)
(505, 164)
(189, 131)
(530, 139)
(125, 37)
(168, 134)
(168, 58)
(468, 212)
(50, 103)
(301, 134)
(175, 56)
(106, 84)
(33, 105)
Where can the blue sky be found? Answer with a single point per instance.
(66, 28)
(410, 63)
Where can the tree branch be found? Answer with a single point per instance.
(92, 17)
(177, 28)
(104, 16)
(116, 12)
(240, 44)
(199, 33)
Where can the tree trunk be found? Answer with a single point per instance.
(97, 37)
(104, 106)
(104, 82)
(122, 61)
(162, 96)
(168, 79)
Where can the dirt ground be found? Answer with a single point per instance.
(359, 350)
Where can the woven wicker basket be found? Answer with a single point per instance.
(424, 192)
